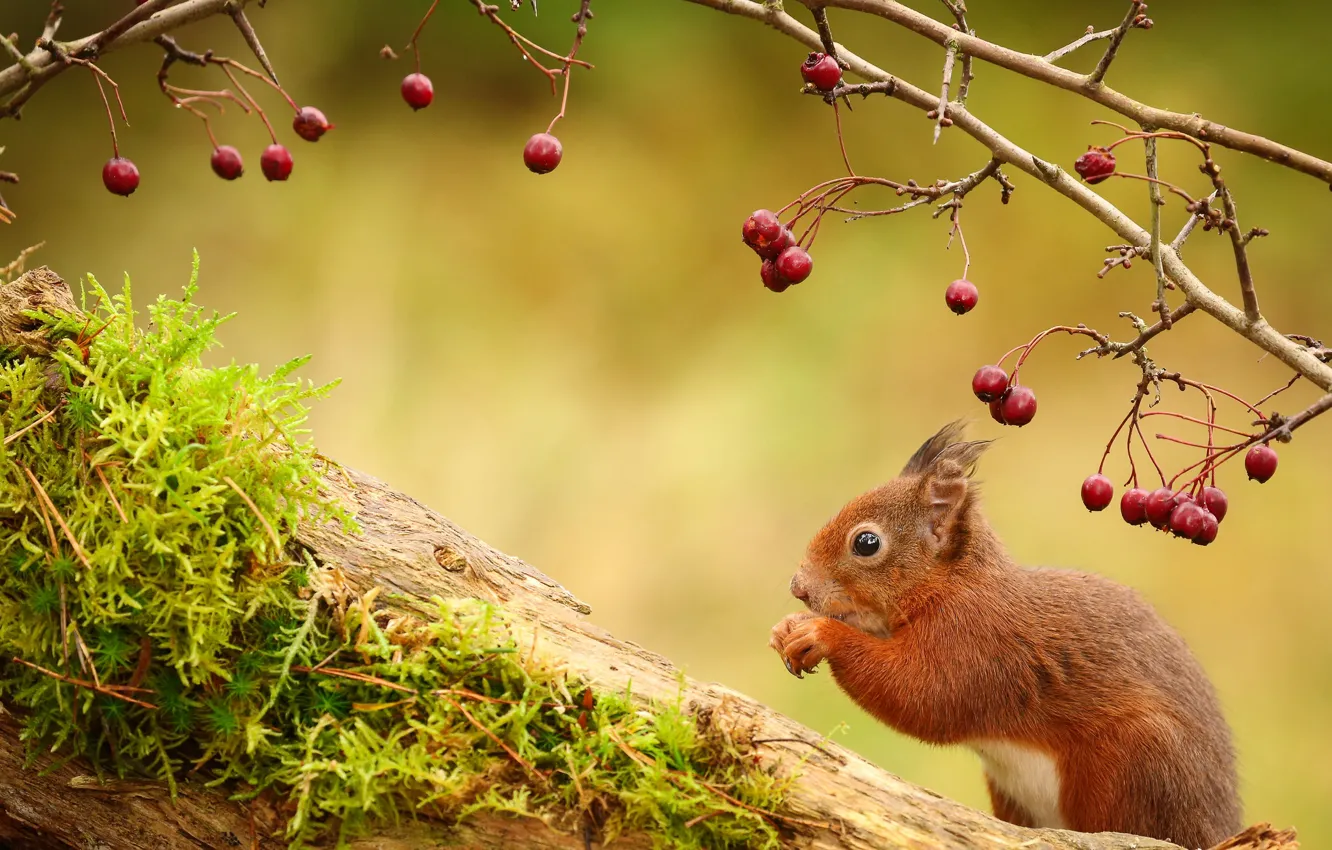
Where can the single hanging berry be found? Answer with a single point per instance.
(1159, 505)
(542, 153)
(795, 264)
(310, 124)
(772, 278)
(961, 296)
(1095, 165)
(417, 90)
(120, 176)
(276, 162)
(1207, 533)
(227, 163)
(989, 383)
(774, 249)
(1260, 463)
(1133, 506)
(822, 71)
(761, 229)
(1097, 492)
(1186, 520)
(1214, 500)
(1018, 406)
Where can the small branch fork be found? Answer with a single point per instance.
(826, 197)
(1116, 38)
(192, 99)
(527, 47)
(1271, 427)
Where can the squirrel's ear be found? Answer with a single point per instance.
(947, 495)
(945, 445)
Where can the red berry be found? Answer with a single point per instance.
(1019, 406)
(1186, 520)
(310, 124)
(1095, 165)
(989, 383)
(417, 90)
(961, 296)
(1215, 501)
(1207, 533)
(822, 70)
(773, 278)
(1097, 492)
(761, 228)
(1260, 462)
(227, 162)
(1159, 505)
(774, 249)
(997, 411)
(542, 153)
(795, 264)
(275, 162)
(120, 176)
(1181, 497)
(1133, 506)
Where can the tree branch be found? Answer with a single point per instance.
(1260, 333)
(1037, 68)
(21, 80)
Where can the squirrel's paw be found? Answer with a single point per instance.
(797, 640)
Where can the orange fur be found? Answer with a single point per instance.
(941, 636)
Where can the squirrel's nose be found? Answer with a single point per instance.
(798, 590)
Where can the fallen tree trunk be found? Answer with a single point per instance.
(412, 553)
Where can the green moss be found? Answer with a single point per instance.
(160, 620)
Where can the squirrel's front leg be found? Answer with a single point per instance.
(803, 640)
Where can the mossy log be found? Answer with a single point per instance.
(412, 553)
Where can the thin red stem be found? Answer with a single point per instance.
(411, 45)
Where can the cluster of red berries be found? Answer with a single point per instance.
(121, 176)
(541, 154)
(1194, 515)
(1009, 405)
(1095, 165)
(784, 262)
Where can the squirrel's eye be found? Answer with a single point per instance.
(866, 544)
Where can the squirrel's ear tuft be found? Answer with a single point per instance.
(948, 496)
(946, 445)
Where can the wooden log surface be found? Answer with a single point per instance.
(413, 553)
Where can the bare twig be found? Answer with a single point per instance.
(1154, 196)
(950, 56)
(1240, 245)
(958, 9)
(1092, 35)
(252, 40)
(825, 32)
(1116, 38)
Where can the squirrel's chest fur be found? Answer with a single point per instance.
(1027, 776)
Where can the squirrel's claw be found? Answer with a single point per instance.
(793, 671)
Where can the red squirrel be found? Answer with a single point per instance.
(1088, 711)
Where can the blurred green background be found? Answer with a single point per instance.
(584, 370)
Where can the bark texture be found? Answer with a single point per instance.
(413, 553)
